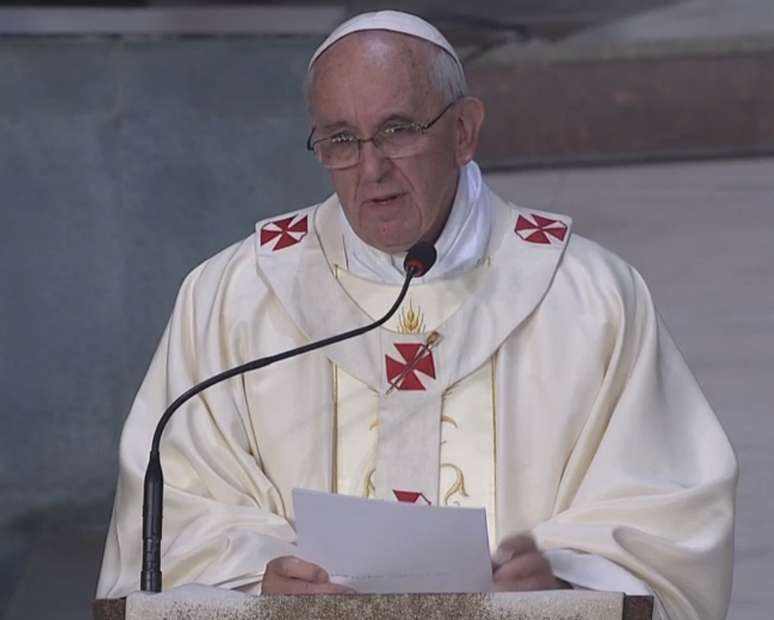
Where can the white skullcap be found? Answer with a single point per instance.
(395, 21)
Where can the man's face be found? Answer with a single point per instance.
(362, 82)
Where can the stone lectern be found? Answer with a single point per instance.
(196, 602)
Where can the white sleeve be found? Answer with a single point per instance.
(586, 571)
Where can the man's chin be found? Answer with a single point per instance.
(391, 246)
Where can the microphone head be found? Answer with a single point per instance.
(420, 257)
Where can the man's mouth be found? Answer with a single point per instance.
(382, 201)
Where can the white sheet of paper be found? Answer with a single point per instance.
(381, 547)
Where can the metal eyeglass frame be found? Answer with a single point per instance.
(374, 138)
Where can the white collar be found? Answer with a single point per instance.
(460, 247)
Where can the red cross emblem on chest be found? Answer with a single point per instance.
(416, 358)
(411, 497)
(287, 231)
(538, 229)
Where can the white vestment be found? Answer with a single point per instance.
(551, 394)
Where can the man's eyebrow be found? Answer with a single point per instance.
(335, 126)
(397, 117)
(339, 125)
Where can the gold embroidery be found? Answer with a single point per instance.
(369, 488)
(458, 487)
(335, 430)
(411, 321)
(493, 533)
(335, 433)
(433, 338)
(446, 418)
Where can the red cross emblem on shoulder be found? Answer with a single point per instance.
(416, 358)
(538, 229)
(287, 231)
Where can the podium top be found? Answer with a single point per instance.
(557, 605)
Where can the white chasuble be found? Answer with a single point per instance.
(421, 386)
(550, 385)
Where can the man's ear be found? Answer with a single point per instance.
(470, 117)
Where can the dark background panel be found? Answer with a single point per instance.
(122, 165)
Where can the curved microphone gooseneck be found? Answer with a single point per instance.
(418, 261)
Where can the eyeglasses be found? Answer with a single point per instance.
(395, 139)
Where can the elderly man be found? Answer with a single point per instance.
(552, 395)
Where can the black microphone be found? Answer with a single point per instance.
(418, 261)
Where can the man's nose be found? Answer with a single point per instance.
(373, 163)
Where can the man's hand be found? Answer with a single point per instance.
(520, 566)
(292, 575)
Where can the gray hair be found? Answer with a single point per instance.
(446, 76)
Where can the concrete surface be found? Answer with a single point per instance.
(695, 19)
(122, 166)
(196, 602)
(689, 27)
